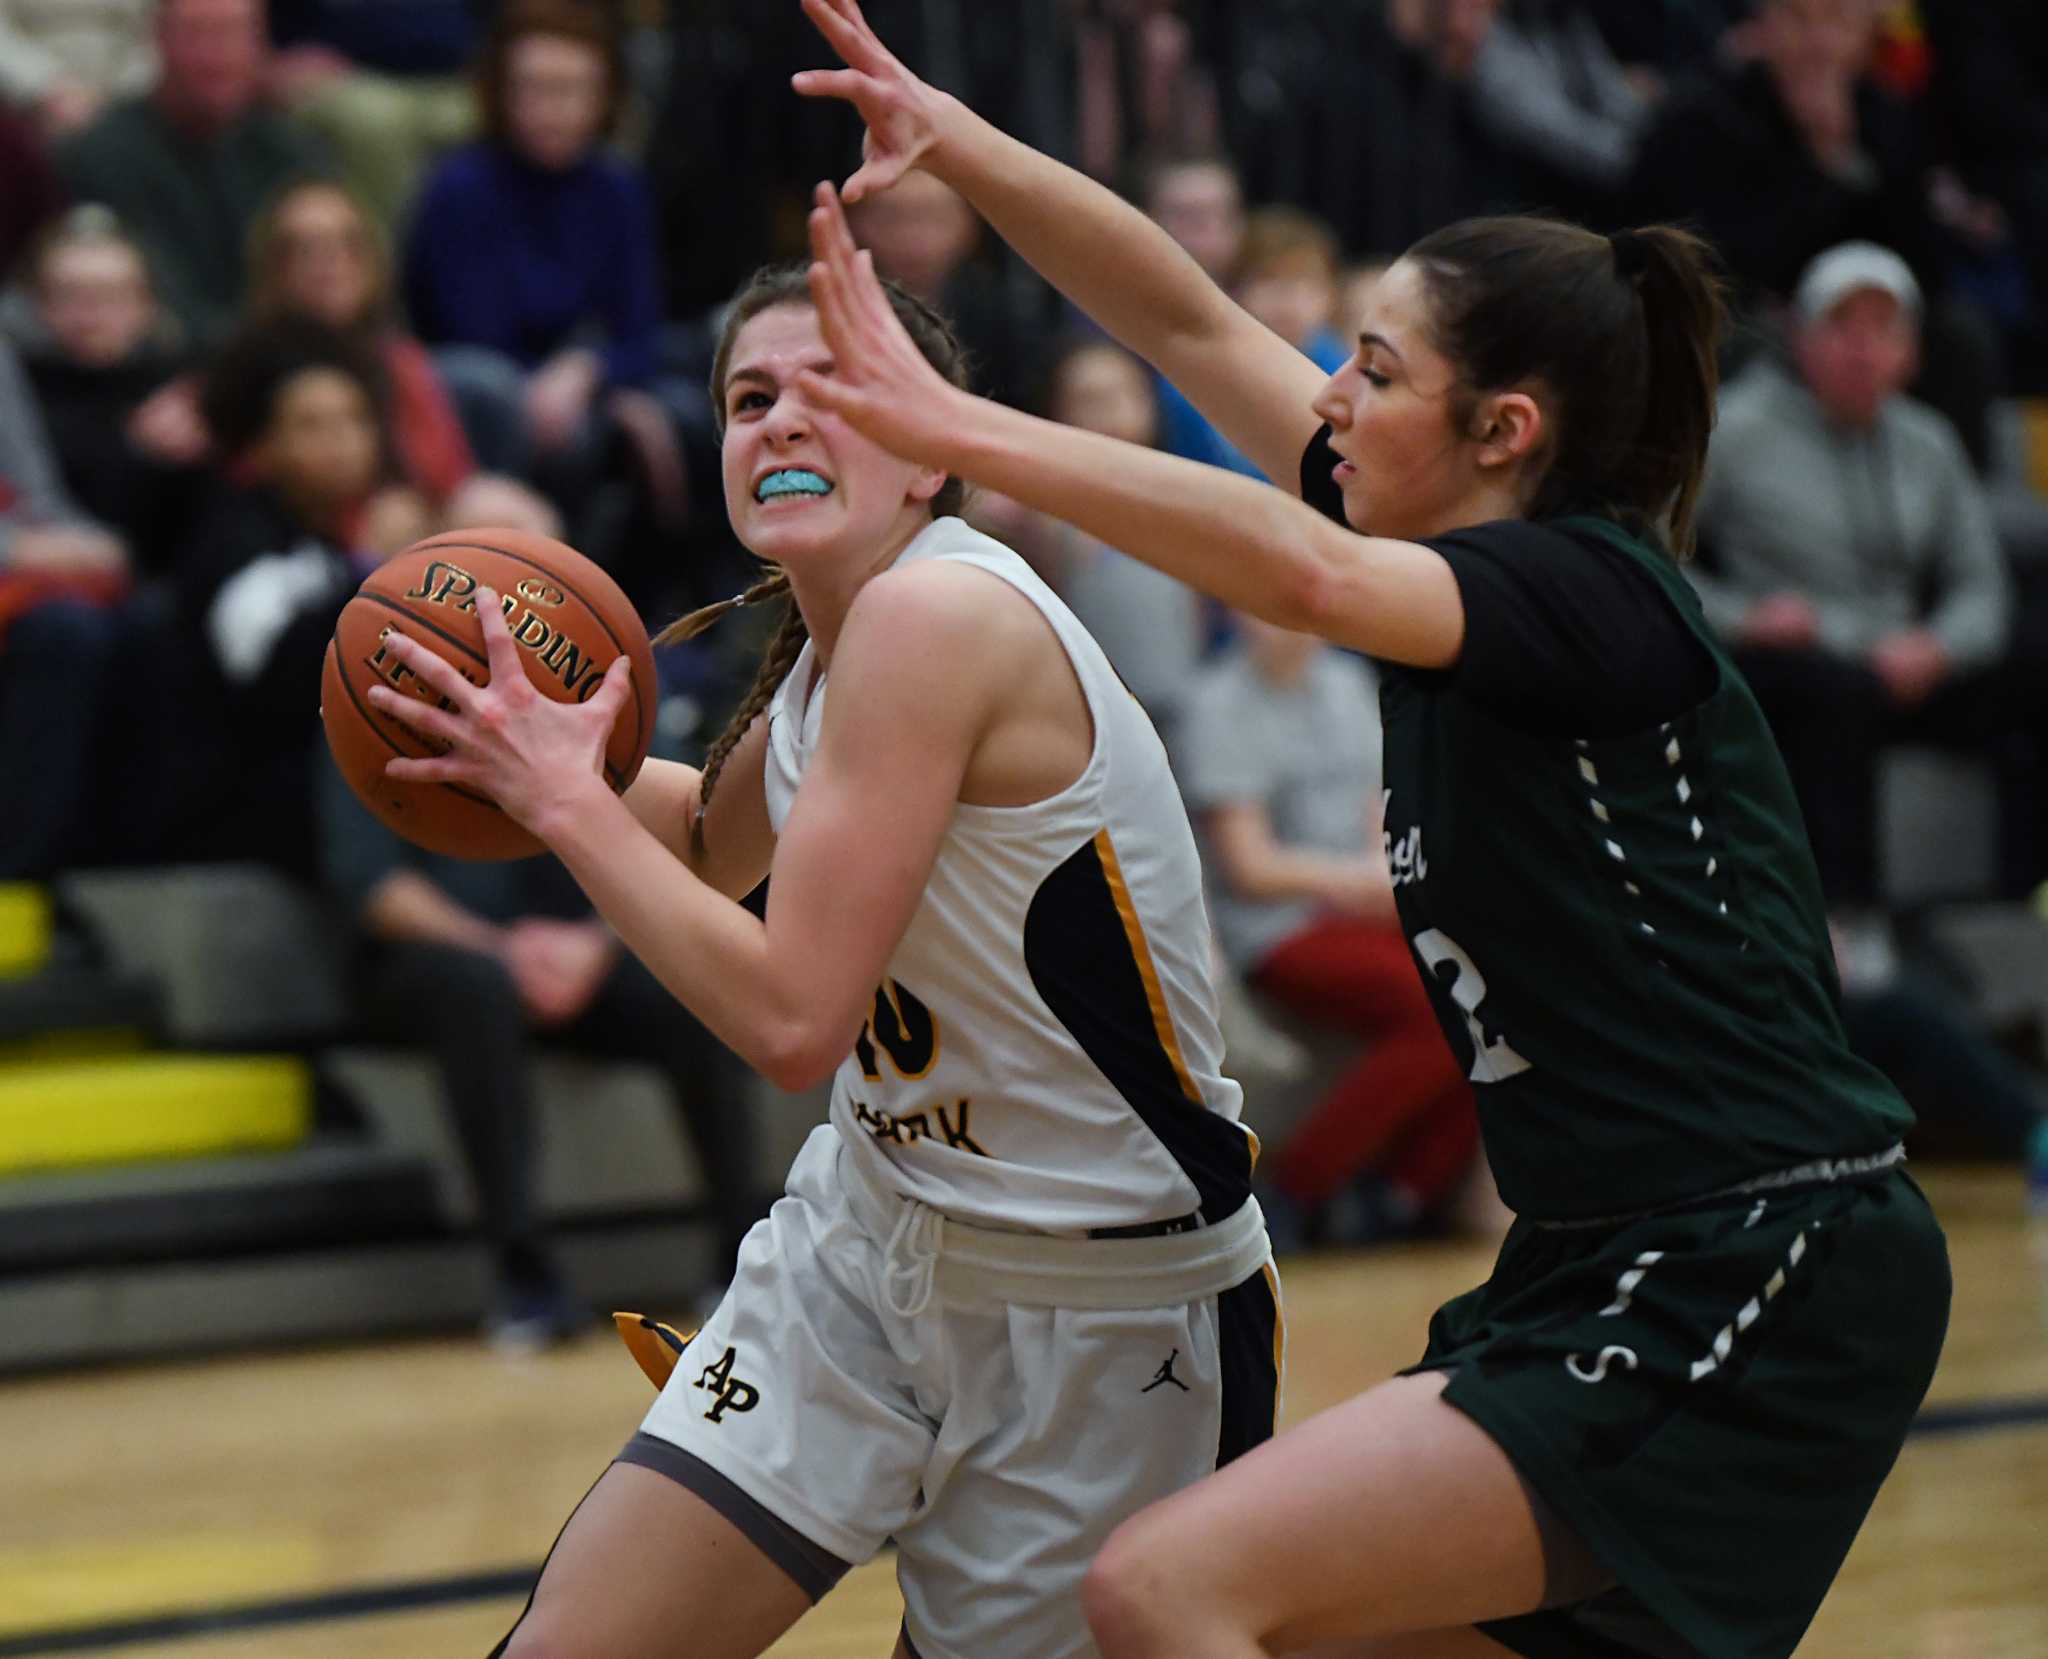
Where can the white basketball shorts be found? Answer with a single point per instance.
(988, 1400)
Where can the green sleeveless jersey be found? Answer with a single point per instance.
(1624, 939)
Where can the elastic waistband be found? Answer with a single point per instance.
(927, 1253)
(1151, 1229)
(1819, 1173)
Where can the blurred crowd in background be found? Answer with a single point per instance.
(289, 287)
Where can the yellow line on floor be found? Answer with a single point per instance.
(92, 1583)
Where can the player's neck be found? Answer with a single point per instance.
(825, 592)
(1490, 499)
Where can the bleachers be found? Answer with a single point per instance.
(215, 1224)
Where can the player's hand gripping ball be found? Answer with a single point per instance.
(568, 620)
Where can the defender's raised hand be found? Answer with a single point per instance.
(901, 111)
(880, 383)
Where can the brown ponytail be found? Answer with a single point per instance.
(1622, 332)
(1684, 315)
(789, 284)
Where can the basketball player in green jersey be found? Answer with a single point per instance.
(1658, 1426)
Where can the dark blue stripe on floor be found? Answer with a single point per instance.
(318, 1609)
(1975, 1416)
(1966, 1417)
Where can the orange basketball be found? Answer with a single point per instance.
(570, 622)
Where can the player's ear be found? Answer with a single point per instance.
(1508, 427)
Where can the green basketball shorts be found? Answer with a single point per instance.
(1710, 1396)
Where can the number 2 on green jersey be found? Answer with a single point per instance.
(1494, 1061)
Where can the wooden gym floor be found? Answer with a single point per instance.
(394, 1500)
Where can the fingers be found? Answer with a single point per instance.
(849, 36)
(853, 356)
(611, 696)
(877, 370)
(840, 34)
(879, 169)
(429, 769)
(851, 266)
(435, 724)
(827, 284)
(849, 298)
(860, 291)
(869, 346)
(874, 177)
(433, 672)
(503, 656)
(831, 236)
(830, 274)
(829, 83)
(836, 395)
(865, 290)
(850, 10)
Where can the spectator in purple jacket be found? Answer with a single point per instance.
(530, 266)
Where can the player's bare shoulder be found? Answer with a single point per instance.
(986, 651)
(968, 624)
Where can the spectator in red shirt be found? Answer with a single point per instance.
(316, 255)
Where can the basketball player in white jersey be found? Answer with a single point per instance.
(1018, 1287)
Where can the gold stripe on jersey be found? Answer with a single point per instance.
(1141, 954)
(1279, 1338)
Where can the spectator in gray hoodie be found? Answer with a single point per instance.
(1856, 572)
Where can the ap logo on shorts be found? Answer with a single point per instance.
(729, 1393)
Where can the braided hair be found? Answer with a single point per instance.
(789, 284)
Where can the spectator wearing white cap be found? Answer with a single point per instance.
(1857, 574)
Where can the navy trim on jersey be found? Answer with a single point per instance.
(1091, 966)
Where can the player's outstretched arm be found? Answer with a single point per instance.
(1242, 541)
(1097, 249)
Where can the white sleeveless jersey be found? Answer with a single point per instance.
(1044, 1053)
